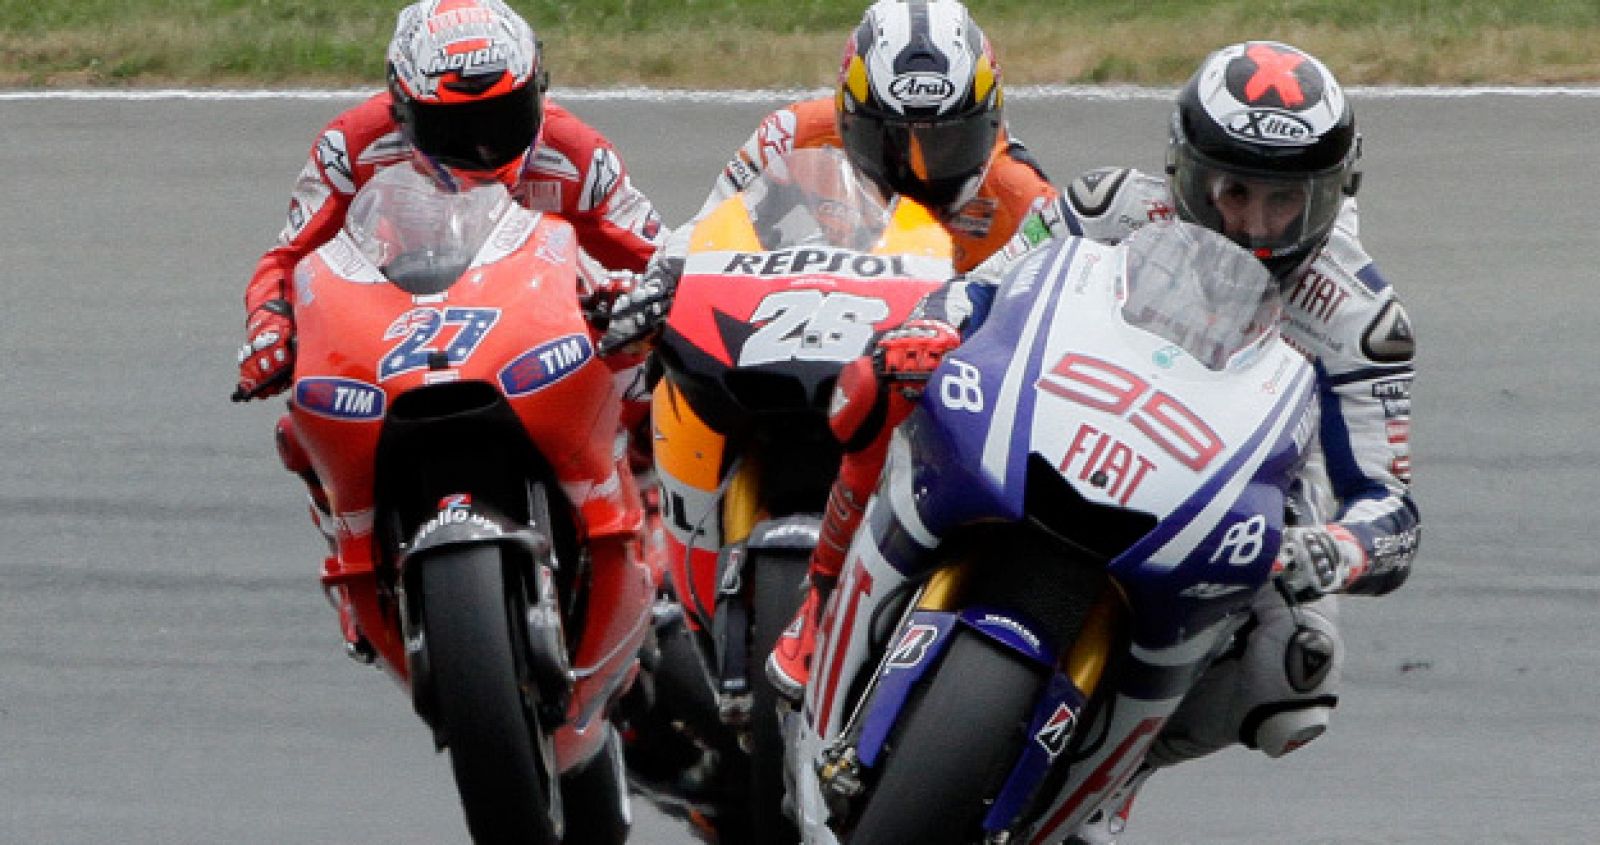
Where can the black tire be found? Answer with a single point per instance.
(596, 798)
(776, 595)
(953, 748)
(491, 731)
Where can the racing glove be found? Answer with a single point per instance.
(639, 314)
(604, 290)
(1317, 560)
(906, 357)
(266, 361)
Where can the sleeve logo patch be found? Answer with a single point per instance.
(1389, 340)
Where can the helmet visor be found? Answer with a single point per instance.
(937, 163)
(482, 135)
(1271, 215)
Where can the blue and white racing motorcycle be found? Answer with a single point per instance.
(1071, 525)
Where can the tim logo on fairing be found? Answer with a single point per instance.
(339, 398)
(546, 364)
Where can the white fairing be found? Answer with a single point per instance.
(1160, 418)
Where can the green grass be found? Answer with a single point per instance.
(786, 43)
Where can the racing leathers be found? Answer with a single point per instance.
(1013, 187)
(1274, 688)
(573, 171)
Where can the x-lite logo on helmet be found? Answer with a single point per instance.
(454, 50)
(1271, 94)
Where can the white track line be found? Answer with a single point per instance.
(642, 94)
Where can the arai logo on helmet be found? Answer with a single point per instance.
(1269, 126)
(921, 89)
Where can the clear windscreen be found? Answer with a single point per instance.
(420, 234)
(1199, 290)
(815, 197)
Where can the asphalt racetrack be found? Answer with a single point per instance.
(169, 671)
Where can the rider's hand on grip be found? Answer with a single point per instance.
(266, 361)
(906, 357)
(640, 312)
(604, 291)
(1317, 560)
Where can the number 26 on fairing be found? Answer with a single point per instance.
(810, 325)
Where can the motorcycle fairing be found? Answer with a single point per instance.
(762, 332)
(1057, 358)
(342, 313)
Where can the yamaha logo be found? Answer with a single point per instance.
(922, 89)
(1264, 126)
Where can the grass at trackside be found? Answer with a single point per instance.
(796, 43)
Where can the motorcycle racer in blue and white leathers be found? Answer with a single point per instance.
(1263, 147)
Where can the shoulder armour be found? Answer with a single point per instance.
(1092, 193)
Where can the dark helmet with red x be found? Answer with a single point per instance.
(1263, 148)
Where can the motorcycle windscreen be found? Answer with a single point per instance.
(421, 234)
(1200, 290)
(815, 197)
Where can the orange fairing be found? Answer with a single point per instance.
(685, 447)
(726, 229)
(913, 231)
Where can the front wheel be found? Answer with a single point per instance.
(775, 598)
(496, 748)
(953, 748)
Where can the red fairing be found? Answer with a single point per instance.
(376, 333)
(363, 343)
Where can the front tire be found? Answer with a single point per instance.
(775, 598)
(952, 749)
(496, 747)
(596, 798)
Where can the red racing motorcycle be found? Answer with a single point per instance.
(488, 545)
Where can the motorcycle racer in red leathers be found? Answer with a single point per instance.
(466, 93)
(465, 103)
(1263, 148)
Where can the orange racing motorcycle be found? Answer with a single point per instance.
(784, 284)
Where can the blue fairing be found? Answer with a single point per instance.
(1214, 575)
(947, 442)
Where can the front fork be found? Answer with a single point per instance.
(925, 630)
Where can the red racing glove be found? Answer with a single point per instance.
(266, 361)
(906, 357)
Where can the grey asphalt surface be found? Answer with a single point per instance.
(169, 671)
